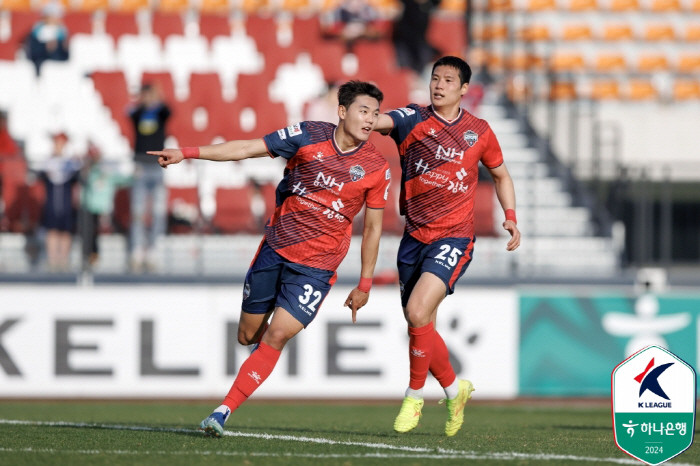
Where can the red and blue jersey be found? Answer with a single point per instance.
(322, 190)
(439, 164)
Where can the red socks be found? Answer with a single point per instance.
(440, 365)
(420, 350)
(253, 372)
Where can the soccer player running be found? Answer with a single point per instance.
(440, 147)
(331, 172)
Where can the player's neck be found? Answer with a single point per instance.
(343, 140)
(447, 112)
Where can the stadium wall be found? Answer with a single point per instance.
(180, 342)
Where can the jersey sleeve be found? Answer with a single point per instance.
(492, 156)
(405, 119)
(379, 191)
(286, 142)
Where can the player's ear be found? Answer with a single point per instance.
(464, 89)
(342, 112)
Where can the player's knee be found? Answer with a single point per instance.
(246, 336)
(276, 338)
(417, 316)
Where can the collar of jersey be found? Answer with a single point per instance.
(340, 152)
(447, 122)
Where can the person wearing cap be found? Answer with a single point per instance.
(49, 37)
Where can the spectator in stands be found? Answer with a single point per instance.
(49, 37)
(412, 49)
(100, 181)
(324, 107)
(353, 20)
(8, 146)
(59, 175)
(149, 118)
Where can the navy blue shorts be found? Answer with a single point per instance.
(447, 258)
(273, 281)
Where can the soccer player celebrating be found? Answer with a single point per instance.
(331, 172)
(440, 147)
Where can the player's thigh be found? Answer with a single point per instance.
(425, 298)
(408, 263)
(302, 291)
(283, 327)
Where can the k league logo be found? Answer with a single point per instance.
(653, 402)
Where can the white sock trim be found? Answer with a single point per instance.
(417, 394)
(452, 390)
(223, 409)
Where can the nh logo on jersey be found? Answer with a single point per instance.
(299, 188)
(471, 137)
(319, 156)
(647, 425)
(419, 166)
(450, 154)
(328, 183)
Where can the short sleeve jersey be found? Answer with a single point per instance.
(322, 190)
(439, 162)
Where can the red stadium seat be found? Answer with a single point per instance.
(262, 30)
(8, 50)
(205, 88)
(448, 35)
(375, 59)
(162, 79)
(23, 206)
(21, 23)
(78, 22)
(183, 210)
(329, 56)
(269, 193)
(387, 147)
(167, 24)
(122, 210)
(115, 95)
(484, 224)
(306, 32)
(118, 24)
(211, 25)
(233, 213)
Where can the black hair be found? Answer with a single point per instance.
(348, 92)
(465, 72)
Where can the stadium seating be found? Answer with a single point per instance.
(233, 211)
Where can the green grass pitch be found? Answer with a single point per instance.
(304, 433)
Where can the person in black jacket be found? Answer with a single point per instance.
(149, 118)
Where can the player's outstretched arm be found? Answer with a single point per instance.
(506, 196)
(359, 296)
(384, 124)
(226, 151)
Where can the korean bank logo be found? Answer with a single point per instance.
(653, 402)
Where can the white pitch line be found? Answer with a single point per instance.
(417, 452)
